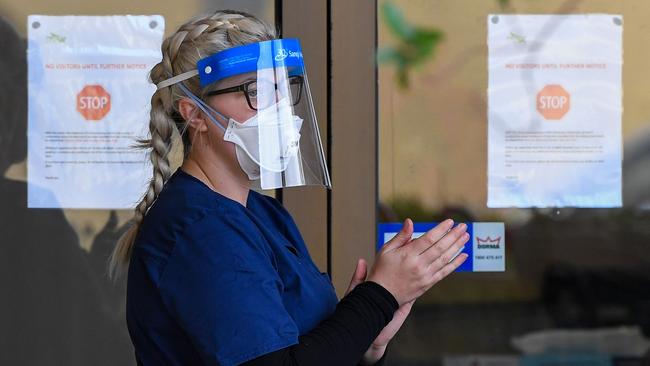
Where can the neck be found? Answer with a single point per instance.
(219, 177)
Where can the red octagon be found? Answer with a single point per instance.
(93, 102)
(553, 102)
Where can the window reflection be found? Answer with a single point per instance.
(567, 269)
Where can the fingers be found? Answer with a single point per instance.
(438, 251)
(448, 269)
(359, 275)
(449, 254)
(403, 237)
(404, 309)
(422, 243)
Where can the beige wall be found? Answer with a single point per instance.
(174, 12)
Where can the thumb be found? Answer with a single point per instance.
(359, 275)
(403, 237)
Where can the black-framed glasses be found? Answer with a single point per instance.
(250, 89)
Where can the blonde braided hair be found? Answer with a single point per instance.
(201, 36)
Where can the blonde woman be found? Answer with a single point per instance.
(218, 274)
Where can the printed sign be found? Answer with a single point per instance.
(89, 98)
(554, 110)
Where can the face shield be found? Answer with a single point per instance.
(280, 145)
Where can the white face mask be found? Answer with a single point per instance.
(278, 143)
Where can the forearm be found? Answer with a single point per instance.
(344, 337)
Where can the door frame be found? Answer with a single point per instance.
(339, 40)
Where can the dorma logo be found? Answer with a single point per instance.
(284, 53)
(488, 243)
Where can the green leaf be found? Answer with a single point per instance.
(415, 44)
(388, 55)
(425, 41)
(395, 21)
(403, 77)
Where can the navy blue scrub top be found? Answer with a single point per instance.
(212, 282)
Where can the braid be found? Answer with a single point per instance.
(202, 35)
(161, 129)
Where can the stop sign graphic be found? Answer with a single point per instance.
(93, 102)
(553, 102)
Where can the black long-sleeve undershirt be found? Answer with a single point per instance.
(344, 336)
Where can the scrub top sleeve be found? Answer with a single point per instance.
(222, 287)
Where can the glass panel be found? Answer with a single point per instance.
(58, 306)
(566, 268)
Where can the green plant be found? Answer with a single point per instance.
(415, 44)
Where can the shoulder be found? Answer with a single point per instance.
(189, 220)
(220, 247)
(224, 231)
(185, 203)
(272, 206)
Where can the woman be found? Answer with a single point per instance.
(219, 274)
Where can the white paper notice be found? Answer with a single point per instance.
(89, 99)
(554, 110)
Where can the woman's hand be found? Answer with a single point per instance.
(408, 271)
(378, 346)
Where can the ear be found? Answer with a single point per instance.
(192, 115)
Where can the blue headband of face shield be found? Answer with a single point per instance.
(286, 53)
(242, 59)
